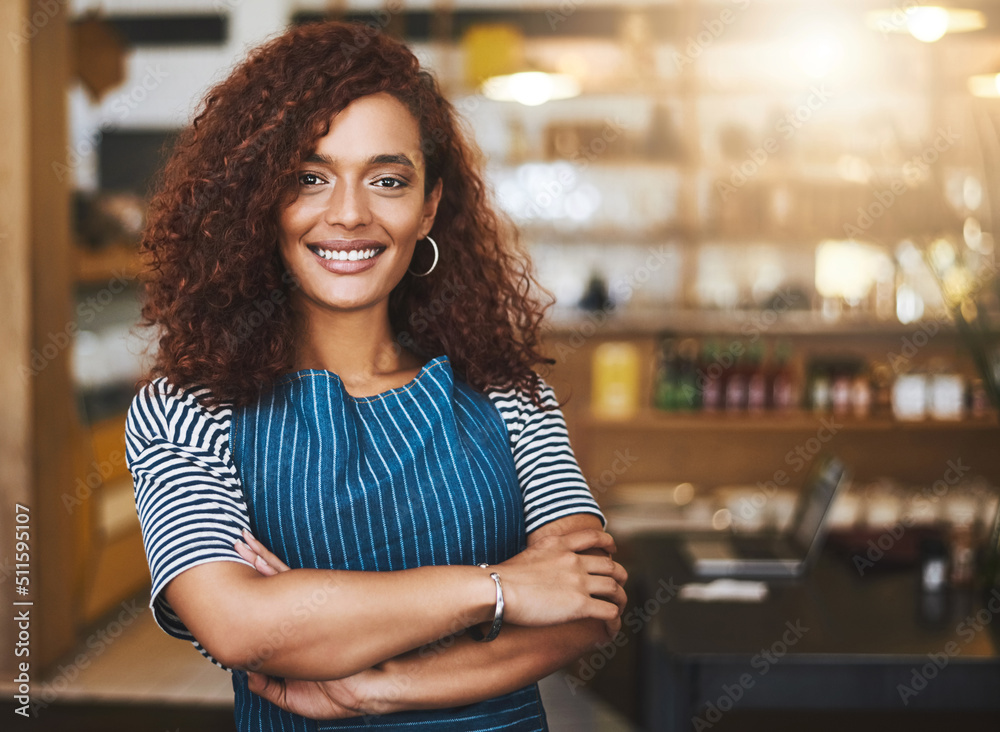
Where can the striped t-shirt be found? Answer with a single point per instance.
(191, 503)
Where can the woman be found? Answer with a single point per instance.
(346, 342)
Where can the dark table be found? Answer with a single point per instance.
(832, 641)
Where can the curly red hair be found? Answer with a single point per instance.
(216, 286)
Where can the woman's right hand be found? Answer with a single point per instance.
(553, 582)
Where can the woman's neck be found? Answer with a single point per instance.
(358, 346)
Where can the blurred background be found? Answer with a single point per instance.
(768, 229)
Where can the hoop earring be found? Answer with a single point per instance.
(433, 264)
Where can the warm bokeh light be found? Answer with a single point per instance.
(926, 23)
(972, 192)
(846, 269)
(531, 88)
(985, 85)
(722, 519)
(683, 493)
(909, 305)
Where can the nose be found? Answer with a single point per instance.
(348, 205)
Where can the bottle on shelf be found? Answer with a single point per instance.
(710, 378)
(784, 387)
(861, 395)
(736, 381)
(666, 385)
(978, 400)
(615, 380)
(819, 390)
(757, 380)
(841, 377)
(881, 381)
(595, 296)
(688, 393)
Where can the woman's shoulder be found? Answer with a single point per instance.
(165, 410)
(520, 398)
(522, 412)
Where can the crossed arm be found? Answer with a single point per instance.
(382, 642)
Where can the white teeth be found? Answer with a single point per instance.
(344, 256)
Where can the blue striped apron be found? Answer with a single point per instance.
(418, 475)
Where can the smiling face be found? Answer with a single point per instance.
(349, 233)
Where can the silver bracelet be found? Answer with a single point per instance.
(497, 614)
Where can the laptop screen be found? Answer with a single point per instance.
(820, 489)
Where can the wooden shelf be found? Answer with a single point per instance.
(605, 235)
(796, 170)
(630, 320)
(651, 420)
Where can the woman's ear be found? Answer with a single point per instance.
(431, 202)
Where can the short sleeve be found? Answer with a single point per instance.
(552, 483)
(187, 490)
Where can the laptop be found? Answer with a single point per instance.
(775, 555)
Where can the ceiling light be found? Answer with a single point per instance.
(531, 88)
(496, 64)
(926, 23)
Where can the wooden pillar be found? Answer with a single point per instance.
(39, 428)
(15, 325)
(55, 434)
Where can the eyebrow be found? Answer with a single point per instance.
(383, 159)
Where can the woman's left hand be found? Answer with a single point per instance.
(263, 559)
(336, 699)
